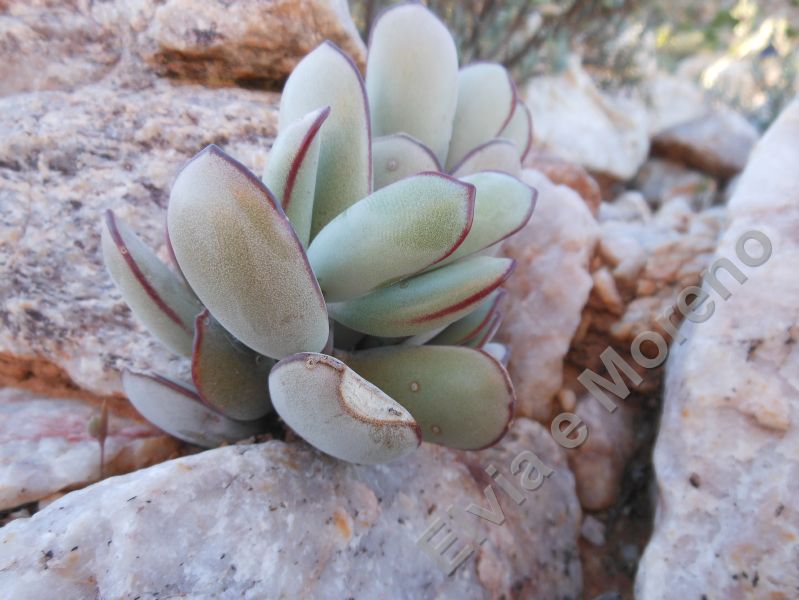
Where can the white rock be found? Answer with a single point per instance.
(727, 455)
(281, 520)
(45, 446)
(576, 121)
(547, 292)
(672, 100)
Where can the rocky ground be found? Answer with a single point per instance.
(100, 104)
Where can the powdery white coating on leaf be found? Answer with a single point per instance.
(399, 156)
(156, 295)
(241, 256)
(461, 397)
(520, 129)
(503, 205)
(486, 101)
(290, 173)
(395, 232)
(227, 374)
(499, 351)
(424, 302)
(328, 77)
(412, 77)
(498, 154)
(339, 412)
(176, 408)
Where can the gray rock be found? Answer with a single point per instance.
(281, 520)
(45, 447)
(718, 142)
(52, 45)
(726, 454)
(64, 159)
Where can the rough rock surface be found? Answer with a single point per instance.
(717, 143)
(577, 122)
(726, 455)
(50, 44)
(547, 292)
(562, 172)
(671, 100)
(45, 447)
(661, 181)
(282, 520)
(64, 159)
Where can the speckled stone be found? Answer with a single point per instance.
(55, 45)
(45, 447)
(727, 454)
(547, 292)
(64, 159)
(281, 520)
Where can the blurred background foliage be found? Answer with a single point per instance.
(743, 52)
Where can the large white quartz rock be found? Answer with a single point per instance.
(64, 159)
(727, 454)
(281, 520)
(578, 122)
(547, 292)
(45, 446)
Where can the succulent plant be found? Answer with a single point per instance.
(355, 287)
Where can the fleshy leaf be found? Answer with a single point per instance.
(339, 412)
(495, 155)
(328, 77)
(229, 376)
(520, 129)
(486, 101)
(290, 173)
(412, 76)
(461, 397)
(470, 326)
(156, 295)
(487, 332)
(399, 156)
(395, 232)
(176, 408)
(242, 258)
(424, 302)
(502, 207)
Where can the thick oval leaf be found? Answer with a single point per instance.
(328, 77)
(520, 129)
(229, 376)
(399, 156)
(495, 155)
(486, 101)
(395, 232)
(157, 296)
(339, 412)
(461, 397)
(470, 326)
(502, 207)
(412, 76)
(487, 332)
(290, 173)
(176, 408)
(242, 258)
(424, 302)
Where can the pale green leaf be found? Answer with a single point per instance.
(395, 232)
(461, 397)
(399, 156)
(412, 76)
(339, 412)
(495, 155)
(242, 258)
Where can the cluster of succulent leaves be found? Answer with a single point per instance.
(355, 287)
